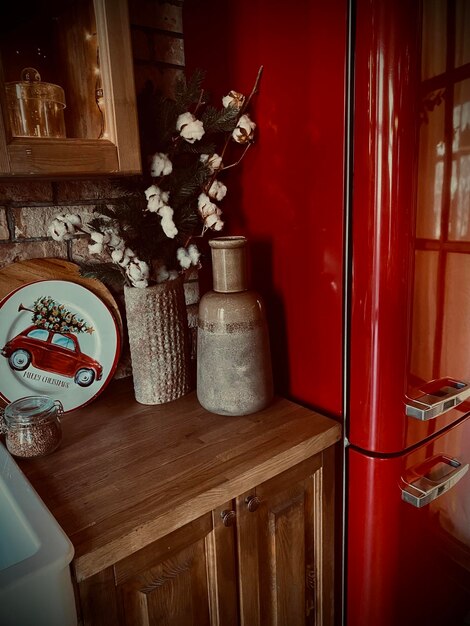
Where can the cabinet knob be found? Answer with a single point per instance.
(228, 518)
(252, 503)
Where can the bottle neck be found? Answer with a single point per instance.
(229, 270)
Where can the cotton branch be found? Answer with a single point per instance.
(240, 159)
(240, 113)
(253, 91)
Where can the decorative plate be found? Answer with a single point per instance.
(57, 339)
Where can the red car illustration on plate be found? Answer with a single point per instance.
(54, 352)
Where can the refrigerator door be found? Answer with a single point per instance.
(409, 534)
(410, 312)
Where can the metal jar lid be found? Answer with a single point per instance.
(30, 409)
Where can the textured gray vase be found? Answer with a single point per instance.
(158, 341)
(234, 374)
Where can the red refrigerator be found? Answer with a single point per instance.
(407, 486)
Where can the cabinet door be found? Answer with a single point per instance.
(89, 67)
(185, 579)
(285, 547)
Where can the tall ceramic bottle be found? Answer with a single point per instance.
(234, 374)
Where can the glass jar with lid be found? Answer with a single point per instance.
(32, 426)
(35, 108)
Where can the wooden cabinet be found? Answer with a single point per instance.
(84, 47)
(180, 516)
(264, 558)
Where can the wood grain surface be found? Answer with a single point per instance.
(127, 474)
(21, 273)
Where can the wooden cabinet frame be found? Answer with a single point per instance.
(272, 566)
(120, 152)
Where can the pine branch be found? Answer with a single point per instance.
(187, 184)
(220, 121)
(108, 273)
(166, 122)
(187, 93)
(98, 223)
(197, 148)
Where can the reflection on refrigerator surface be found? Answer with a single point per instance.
(441, 305)
(408, 464)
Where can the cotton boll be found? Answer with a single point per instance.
(169, 227)
(161, 165)
(137, 270)
(192, 132)
(99, 237)
(217, 190)
(129, 255)
(151, 191)
(95, 248)
(122, 256)
(234, 99)
(173, 275)
(202, 200)
(157, 200)
(194, 254)
(206, 207)
(117, 255)
(213, 162)
(140, 284)
(183, 258)
(73, 219)
(211, 220)
(167, 222)
(162, 274)
(189, 127)
(245, 130)
(144, 268)
(63, 227)
(116, 242)
(154, 204)
(184, 118)
(58, 231)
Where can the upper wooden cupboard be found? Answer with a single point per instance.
(75, 53)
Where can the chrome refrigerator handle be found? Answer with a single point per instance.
(450, 394)
(424, 490)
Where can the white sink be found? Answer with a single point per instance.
(35, 553)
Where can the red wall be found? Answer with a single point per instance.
(287, 195)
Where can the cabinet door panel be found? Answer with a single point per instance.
(281, 548)
(222, 573)
(97, 600)
(186, 578)
(171, 593)
(282, 521)
(272, 557)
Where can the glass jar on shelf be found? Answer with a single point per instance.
(32, 426)
(35, 108)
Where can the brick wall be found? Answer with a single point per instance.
(26, 207)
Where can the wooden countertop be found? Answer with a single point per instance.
(127, 474)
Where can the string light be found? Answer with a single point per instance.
(99, 100)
